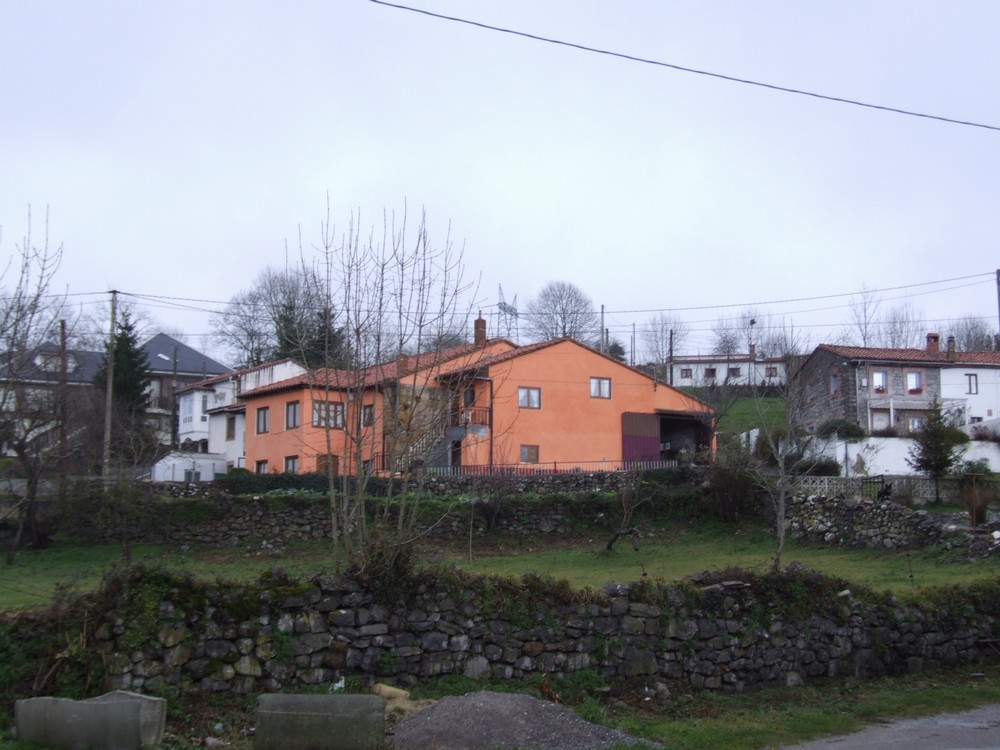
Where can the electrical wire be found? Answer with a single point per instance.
(683, 69)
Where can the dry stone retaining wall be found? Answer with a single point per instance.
(728, 636)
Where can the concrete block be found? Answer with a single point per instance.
(119, 720)
(320, 722)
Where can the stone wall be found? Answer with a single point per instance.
(726, 635)
(861, 523)
(227, 521)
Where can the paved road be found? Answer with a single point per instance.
(978, 729)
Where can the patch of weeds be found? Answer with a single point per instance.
(388, 663)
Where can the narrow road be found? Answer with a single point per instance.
(978, 729)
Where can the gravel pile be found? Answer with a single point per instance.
(504, 721)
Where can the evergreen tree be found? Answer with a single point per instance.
(937, 447)
(132, 373)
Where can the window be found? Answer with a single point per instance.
(834, 384)
(916, 424)
(469, 396)
(368, 415)
(770, 371)
(326, 463)
(263, 420)
(529, 398)
(291, 415)
(600, 387)
(686, 372)
(880, 381)
(204, 407)
(230, 427)
(975, 420)
(291, 464)
(971, 383)
(733, 372)
(192, 475)
(328, 414)
(261, 467)
(913, 382)
(709, 373)
(529, 454)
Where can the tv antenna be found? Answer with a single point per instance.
(508, 316)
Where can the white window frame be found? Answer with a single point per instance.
(600, 387)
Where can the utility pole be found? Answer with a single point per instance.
(670, 358)
(63, 441)
(109, 397)
(604, 348)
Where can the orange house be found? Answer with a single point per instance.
(481, 406)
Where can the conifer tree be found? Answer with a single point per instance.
(937, 447)
(131, 372)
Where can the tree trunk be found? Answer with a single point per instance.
(780, 523)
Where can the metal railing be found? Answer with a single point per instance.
(551, 467)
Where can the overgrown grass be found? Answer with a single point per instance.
(38, 577)
(748, 413)
(672, 555)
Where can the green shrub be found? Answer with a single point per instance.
(845, 429)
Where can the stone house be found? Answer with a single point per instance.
(891, 390)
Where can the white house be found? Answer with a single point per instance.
(211, 430)
(721, 369)
(976, 384)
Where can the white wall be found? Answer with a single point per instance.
(982, 405)
(172, 467)
(888, 455)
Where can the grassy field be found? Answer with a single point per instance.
(37, 577)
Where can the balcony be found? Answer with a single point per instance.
(470, 415)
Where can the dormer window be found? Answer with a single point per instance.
(52, 362)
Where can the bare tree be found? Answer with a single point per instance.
(89, 330)
(562, 310)
(735, 335)
(662, 336)
(972, 334)
(285, 314)
(725, 338)
(30, 412)
(863, 315)
(398, 294)
(777, 338)
(903, 327)
(245, 330)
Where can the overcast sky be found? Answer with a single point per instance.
(180, 145)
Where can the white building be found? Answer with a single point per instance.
(212, 423)
(719, 369)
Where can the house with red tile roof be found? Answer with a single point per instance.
(890, 390)
(211, 422)
(477, 407)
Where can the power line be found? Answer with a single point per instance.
(683, 69)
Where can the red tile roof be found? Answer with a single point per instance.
(921, 356)
(386, 372)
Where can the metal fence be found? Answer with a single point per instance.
(553, 467)
(903, 487)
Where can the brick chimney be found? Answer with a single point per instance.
(933, 344)
(951, 348)
(479, 331)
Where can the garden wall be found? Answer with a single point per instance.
(160, 636)
(861, 523)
